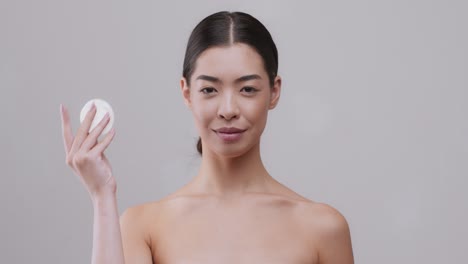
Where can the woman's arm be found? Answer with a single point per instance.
(107, 240)
(85, 155)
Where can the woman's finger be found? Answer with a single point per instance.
(94, 134)
(66, 129)
(82, 132)
(102, 146)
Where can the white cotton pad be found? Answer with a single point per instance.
(102, 107)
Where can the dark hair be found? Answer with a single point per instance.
(224, 29)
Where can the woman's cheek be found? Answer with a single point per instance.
(258, 116)
(204, 115)
(256, 111)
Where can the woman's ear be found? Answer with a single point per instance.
(185, 92)
(275, 92)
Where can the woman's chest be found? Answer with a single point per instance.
(232, 235)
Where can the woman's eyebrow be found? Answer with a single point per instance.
(240, 79)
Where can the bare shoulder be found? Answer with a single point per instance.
(143, 221)
(326, 217)
(144, 217)
(149, 212)
(136, 218)
(143, 211)
(329, 232)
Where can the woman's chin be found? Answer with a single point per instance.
(231, 150)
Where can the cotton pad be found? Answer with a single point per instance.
(102, 107)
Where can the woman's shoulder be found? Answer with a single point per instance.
(157, 209)
(150, 207)
(324, 223)
(315, 209)
(325, 215)
(318, 217)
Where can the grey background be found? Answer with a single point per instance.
(372, 118)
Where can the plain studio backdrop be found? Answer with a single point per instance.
(372, 119)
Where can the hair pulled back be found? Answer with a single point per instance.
(227, 28)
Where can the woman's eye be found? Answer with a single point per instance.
(248, 89)
(208, 90)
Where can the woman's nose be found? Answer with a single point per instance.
(228, 108)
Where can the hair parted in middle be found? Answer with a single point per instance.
(224, 29)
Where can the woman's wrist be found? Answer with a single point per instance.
(104, 199)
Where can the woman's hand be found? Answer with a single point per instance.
(86, 156)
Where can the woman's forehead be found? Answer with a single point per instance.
(229, 62)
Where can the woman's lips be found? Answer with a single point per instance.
(231, 136)
(229, 130)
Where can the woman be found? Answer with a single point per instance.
(233, 211)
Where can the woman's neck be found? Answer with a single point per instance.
(229, 177)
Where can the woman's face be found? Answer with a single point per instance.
(229, 96)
